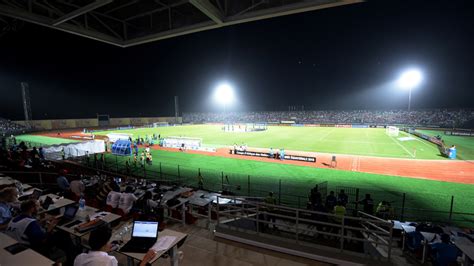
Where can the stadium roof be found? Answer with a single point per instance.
(127, 23)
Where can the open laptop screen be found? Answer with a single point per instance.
(36, 194)
(70, 211)
(145, 229)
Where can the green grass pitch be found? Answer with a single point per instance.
(356, 141)
(297, 180)
(42, 140)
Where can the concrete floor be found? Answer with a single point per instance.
(200, 248)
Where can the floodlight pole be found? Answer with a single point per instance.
(409, 99)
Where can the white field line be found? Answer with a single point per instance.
(327, 134)
(403, 147)
(419, 140)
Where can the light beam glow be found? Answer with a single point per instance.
(224, 94)
(410, 79)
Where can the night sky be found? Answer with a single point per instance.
(339, 58)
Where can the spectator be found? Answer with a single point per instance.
(444, 253)
(62, 181)
(27, 230)
(97, 256)
(127, 199)
(339, 212)
(342, 197)
(368, 204)
(414, 239)
(77, 186)
(384, 210)
(270, 199)
(331, 201)
(8, 195)
(113, 198)
(315, 195)
(105, 189)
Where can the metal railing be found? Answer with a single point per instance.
(301, 226)
(286, 191)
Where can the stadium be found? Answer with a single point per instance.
(274, 181)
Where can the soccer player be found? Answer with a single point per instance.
(272, 153)
(142, 159)
(282, 154)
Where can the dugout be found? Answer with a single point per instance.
(122, 147)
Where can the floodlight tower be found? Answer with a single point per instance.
(25, 93)
(410, 79)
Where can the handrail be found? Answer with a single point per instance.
(233, 213)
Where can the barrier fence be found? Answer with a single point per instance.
(406, 207)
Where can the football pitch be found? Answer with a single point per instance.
(353, 141)
(295, 181)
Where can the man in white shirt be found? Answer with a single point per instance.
(127, 199)
(98, 256)
(113, 198)
(77, 186)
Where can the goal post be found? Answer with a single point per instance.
(392, 131)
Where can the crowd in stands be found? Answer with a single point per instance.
(8, 127)
(429, 117)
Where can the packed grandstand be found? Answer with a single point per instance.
(429, 117)
(9, 127)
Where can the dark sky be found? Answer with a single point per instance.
(345, 57)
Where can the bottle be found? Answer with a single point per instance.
(82, 203)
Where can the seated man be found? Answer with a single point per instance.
(63, 183)
(127, 199)
(27, 230)
(414, 239)
(113, 198)
(99, 243)
(444, 253)
(77, 186)
(8, 195)
(105, 189)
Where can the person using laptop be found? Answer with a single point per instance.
(27, 230)
(144, 236)
(98, 256)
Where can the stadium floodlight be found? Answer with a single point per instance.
(224, 94)
(409, 80)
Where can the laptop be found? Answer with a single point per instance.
(144, 236)
(36, 194)
(69, 214)
(48, 201)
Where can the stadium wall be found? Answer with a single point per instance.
(53, 124)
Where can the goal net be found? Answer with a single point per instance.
(177, 142)
(392, 131)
